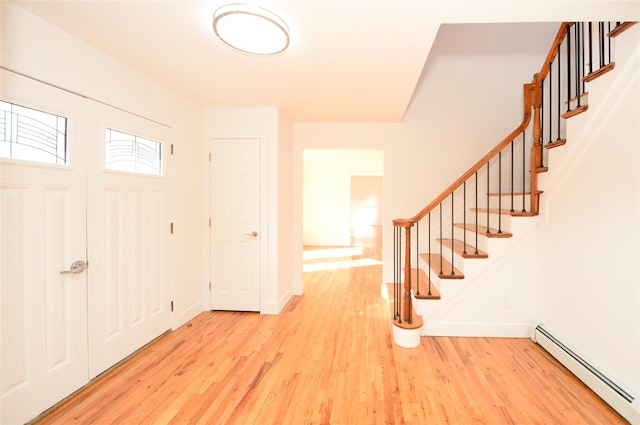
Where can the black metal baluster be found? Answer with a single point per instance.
(440, 239)
(396, 274)
(524, 167)
(452, 239)
(542, 121)
(400, 265)
(499, 192)
(590, 47)
(429, 265)
(568, 71)
(400, 281)
(464, 217)
(601, 42)
(583, 57)
(476, 173)
(609, 42)
(488, 231)
(417, 262)
(512, 181)
(550, 100)
(399, 297)
(559, 114)
(577, 64)
(542, 113)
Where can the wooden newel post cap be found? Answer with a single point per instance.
(403, 222)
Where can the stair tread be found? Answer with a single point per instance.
(465, 250)
(493, 233)
(492, 210)
(424, 291)
(447, 268)
(620, 29)
(598, 72)
(523, 214)
(555, 144)
(505, 212)
(512, 193)
(575, 111)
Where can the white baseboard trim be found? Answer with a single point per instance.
(477, 329)
(186, 314)
(620, 399)
(274, 308)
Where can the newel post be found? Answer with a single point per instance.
(536, 147)
(406, 314)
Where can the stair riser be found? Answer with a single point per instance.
(465, 265)
(496, 221)
(458, 260)
(471, 238)
(435, 268)
(458, 232)
(505, 201)
(435, 279)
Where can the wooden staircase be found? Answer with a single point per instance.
(462, 233)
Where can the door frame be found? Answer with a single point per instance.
(268, 271)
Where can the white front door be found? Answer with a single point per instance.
(43, 228)
(235, 233)
(129, 294)
(60, 325)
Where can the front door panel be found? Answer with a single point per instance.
(43, 225)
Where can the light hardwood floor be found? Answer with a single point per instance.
(329, 358)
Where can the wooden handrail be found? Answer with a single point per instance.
(553, 52)
(528, 104)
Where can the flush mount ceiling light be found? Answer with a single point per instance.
(251, 29)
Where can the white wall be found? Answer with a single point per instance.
(589, 233)
(285, 213)
(366, 201)
(37, 49)
(326, 205)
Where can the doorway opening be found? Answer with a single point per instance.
(342, 208)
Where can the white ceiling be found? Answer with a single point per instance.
(349, 60)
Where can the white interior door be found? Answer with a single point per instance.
(129, 295)
(235, 232)
(43, 224)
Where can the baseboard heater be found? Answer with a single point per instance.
(613, 394)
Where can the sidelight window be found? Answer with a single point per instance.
(32, 135)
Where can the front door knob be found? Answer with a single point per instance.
(77, 266)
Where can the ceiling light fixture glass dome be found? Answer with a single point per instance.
(251, 29)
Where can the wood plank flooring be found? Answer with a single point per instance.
(329, 358)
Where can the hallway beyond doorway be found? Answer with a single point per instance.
(365, 250)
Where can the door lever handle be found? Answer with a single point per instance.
(252, 234)
(77, 266)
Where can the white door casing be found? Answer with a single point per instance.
(235, 233)
(129, 294)
(43, 230)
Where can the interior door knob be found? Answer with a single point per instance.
(252, 234)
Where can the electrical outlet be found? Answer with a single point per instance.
(506, 302)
